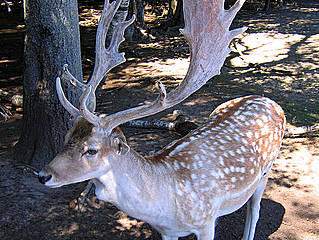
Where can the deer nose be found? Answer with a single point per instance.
(44, 178)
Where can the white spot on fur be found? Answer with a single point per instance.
(228, 137)
(203, 151)
(221, 147)
(237, 113)
(194, 196)
(168, 165)
(249, 134)
(176, 165)
(188, 187)
(237, 138)
(265, 118)
(261, 142)
(195, 167)
(222, 141)
(244, 141)
(266, 143)
(259, 122)
(220, 173)
(213, 155)
(257, 135)
(200, 163)
(178, 148)
(243, 149)
(192, 138)
(221, 161)
(242, 118)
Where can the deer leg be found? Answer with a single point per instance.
(207, 233)
(253, 207)
(165, 237)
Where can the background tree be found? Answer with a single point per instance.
(52, 39)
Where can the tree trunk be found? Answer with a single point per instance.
(175, 17)
(52, 39)
(178, 17)
(140, 5)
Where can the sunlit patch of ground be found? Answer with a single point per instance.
(260, 48)
(174, 67)
(294, 183)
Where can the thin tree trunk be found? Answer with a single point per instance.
(140, 5)
(52, 39)
(175, 16)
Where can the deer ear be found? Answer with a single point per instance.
(120, 146)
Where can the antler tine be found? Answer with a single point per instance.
(85, 112)
(64, 101)
(106, 59)
(68, 76)
(207, 32)
(231, 13)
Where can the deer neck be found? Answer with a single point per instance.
(135, 183)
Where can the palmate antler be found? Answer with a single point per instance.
(207, 32)
(105, 58)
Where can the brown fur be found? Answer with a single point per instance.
(80, 130)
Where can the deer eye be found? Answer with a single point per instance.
(91, 152)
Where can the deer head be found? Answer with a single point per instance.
(86, 154)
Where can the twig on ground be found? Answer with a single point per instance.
(297, 131)
(28, 169)
(7, 5)
(5, 113)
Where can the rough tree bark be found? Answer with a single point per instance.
(52, 39)
(178, 16)
(175, 16)
(140, 5)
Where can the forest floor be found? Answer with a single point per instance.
(277, 57)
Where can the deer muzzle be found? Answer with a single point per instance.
(44, 178)
(48, 178)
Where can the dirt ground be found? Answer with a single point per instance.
(277, 57)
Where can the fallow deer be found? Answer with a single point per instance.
(212, 171)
